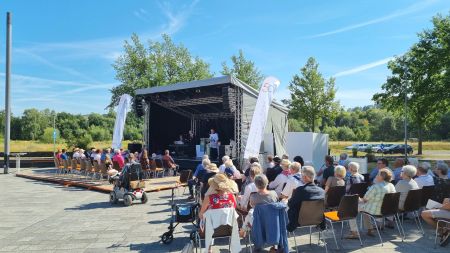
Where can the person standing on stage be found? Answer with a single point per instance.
(213, 144)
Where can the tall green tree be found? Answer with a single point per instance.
(312, 97)
(421, 76)
(243, 69)
(159, 64)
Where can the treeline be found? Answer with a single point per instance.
(370, 123)
(72, 129)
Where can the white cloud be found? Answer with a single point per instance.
(363, 67)
(402, 12)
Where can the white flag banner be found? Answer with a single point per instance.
(260, 114)
(121, 115)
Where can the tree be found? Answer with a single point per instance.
(160, 64)
(421, 76)
(244, 70)
(312, 98)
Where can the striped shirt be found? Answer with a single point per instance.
(375, 195)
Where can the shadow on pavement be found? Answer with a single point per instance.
(97, 205)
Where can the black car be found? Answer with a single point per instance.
(398, 149)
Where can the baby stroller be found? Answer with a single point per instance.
(128, 186)
(181, 213)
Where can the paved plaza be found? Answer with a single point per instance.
(44, 217)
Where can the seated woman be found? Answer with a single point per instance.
(371, 203)
(355, 177)
(222, 198)
(443, 213)
(243, 200)
(337, 180)
(441, 182)
(278, 184)
(262, 196)
(406, 183)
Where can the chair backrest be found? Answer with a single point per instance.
(166, 164)
(152, 165)
(412, 202)
(390, 204)
(348, 208)
(66, 164)
(56, 163)
(311, 213)
(103, 168)
(159, 163)
(74, 164)
(359, 189)
(366, 177)
(334, 195)
(184, 176)
(135, 172)
(82, 164)
(89, 166)
(96, 166)
(427, 193)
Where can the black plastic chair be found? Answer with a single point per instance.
(347, 210)
(334, 196)
(311, 215)
(366, 177)
(389, 208)
(413, 206)
(359, 189)
(427, 193)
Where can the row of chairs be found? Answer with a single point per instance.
(82, 168)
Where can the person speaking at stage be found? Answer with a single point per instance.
(214, 144)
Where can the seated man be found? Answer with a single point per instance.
(198, 175)
(423, 178)
(443, 213)
(169, 162)
(309, 191)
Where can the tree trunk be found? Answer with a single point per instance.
(313, 124)
(419, 133)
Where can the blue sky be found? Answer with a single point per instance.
(63, 50)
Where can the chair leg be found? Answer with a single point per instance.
(342, 230)
(334, 235)
(324, 242)
(399, 225)
(359, 235)
(419, 222)
(376, 226)
(310, 232)
(295, 242)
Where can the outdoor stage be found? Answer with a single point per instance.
(48, 175)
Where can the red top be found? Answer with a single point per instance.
(217, 201)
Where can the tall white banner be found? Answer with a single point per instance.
(121, 115)
(260, 114)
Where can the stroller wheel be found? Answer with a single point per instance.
(167, 238)
(113, 198)
(144, 198)
(127, 200)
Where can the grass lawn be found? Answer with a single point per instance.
(36, 146)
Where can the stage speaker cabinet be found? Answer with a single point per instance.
(139, 106)
(229, 99)
(135, 147)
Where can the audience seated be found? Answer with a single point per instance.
(222, 166)
(118, 158)
(354, 177)
(273, 172)
(443, 213)
(169, 162)
(372, 201)
(270, 163)
(337, 179)
(328, 171)
(145, 162)
(398, 166)
(293, 182)
(255, 169)
(441, 182)
(309, 191)
(282, 178)
(231, 170)
(64, 155)
(423, 178)
(211, 171)
(406, 184)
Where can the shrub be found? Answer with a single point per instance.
(47, 136)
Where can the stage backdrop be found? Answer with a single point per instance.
(259, 119)
(121, 116)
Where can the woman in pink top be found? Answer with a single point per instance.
(118, 158)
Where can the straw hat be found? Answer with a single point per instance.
(213, 168)
(220, 182)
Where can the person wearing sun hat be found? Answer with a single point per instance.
(211, 171)
(222, 194)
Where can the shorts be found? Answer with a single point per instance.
(440, 214)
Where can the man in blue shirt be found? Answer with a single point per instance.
(64, 155)
(199, 172)
(381, 164)
(398, 165)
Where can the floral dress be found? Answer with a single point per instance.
(217, 201)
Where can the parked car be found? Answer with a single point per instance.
(351, 146)
(377, 148)
(363, 147)
(398, 149)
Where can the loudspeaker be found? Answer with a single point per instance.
(139, 106)
(135, 147)
(229, 99)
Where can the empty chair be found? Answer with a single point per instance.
(389, 208)
(347, 210)
(155, 170)
(311, 215)
(67, 166)
(334, 196)
(359, 189)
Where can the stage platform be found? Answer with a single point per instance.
(49, 175)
